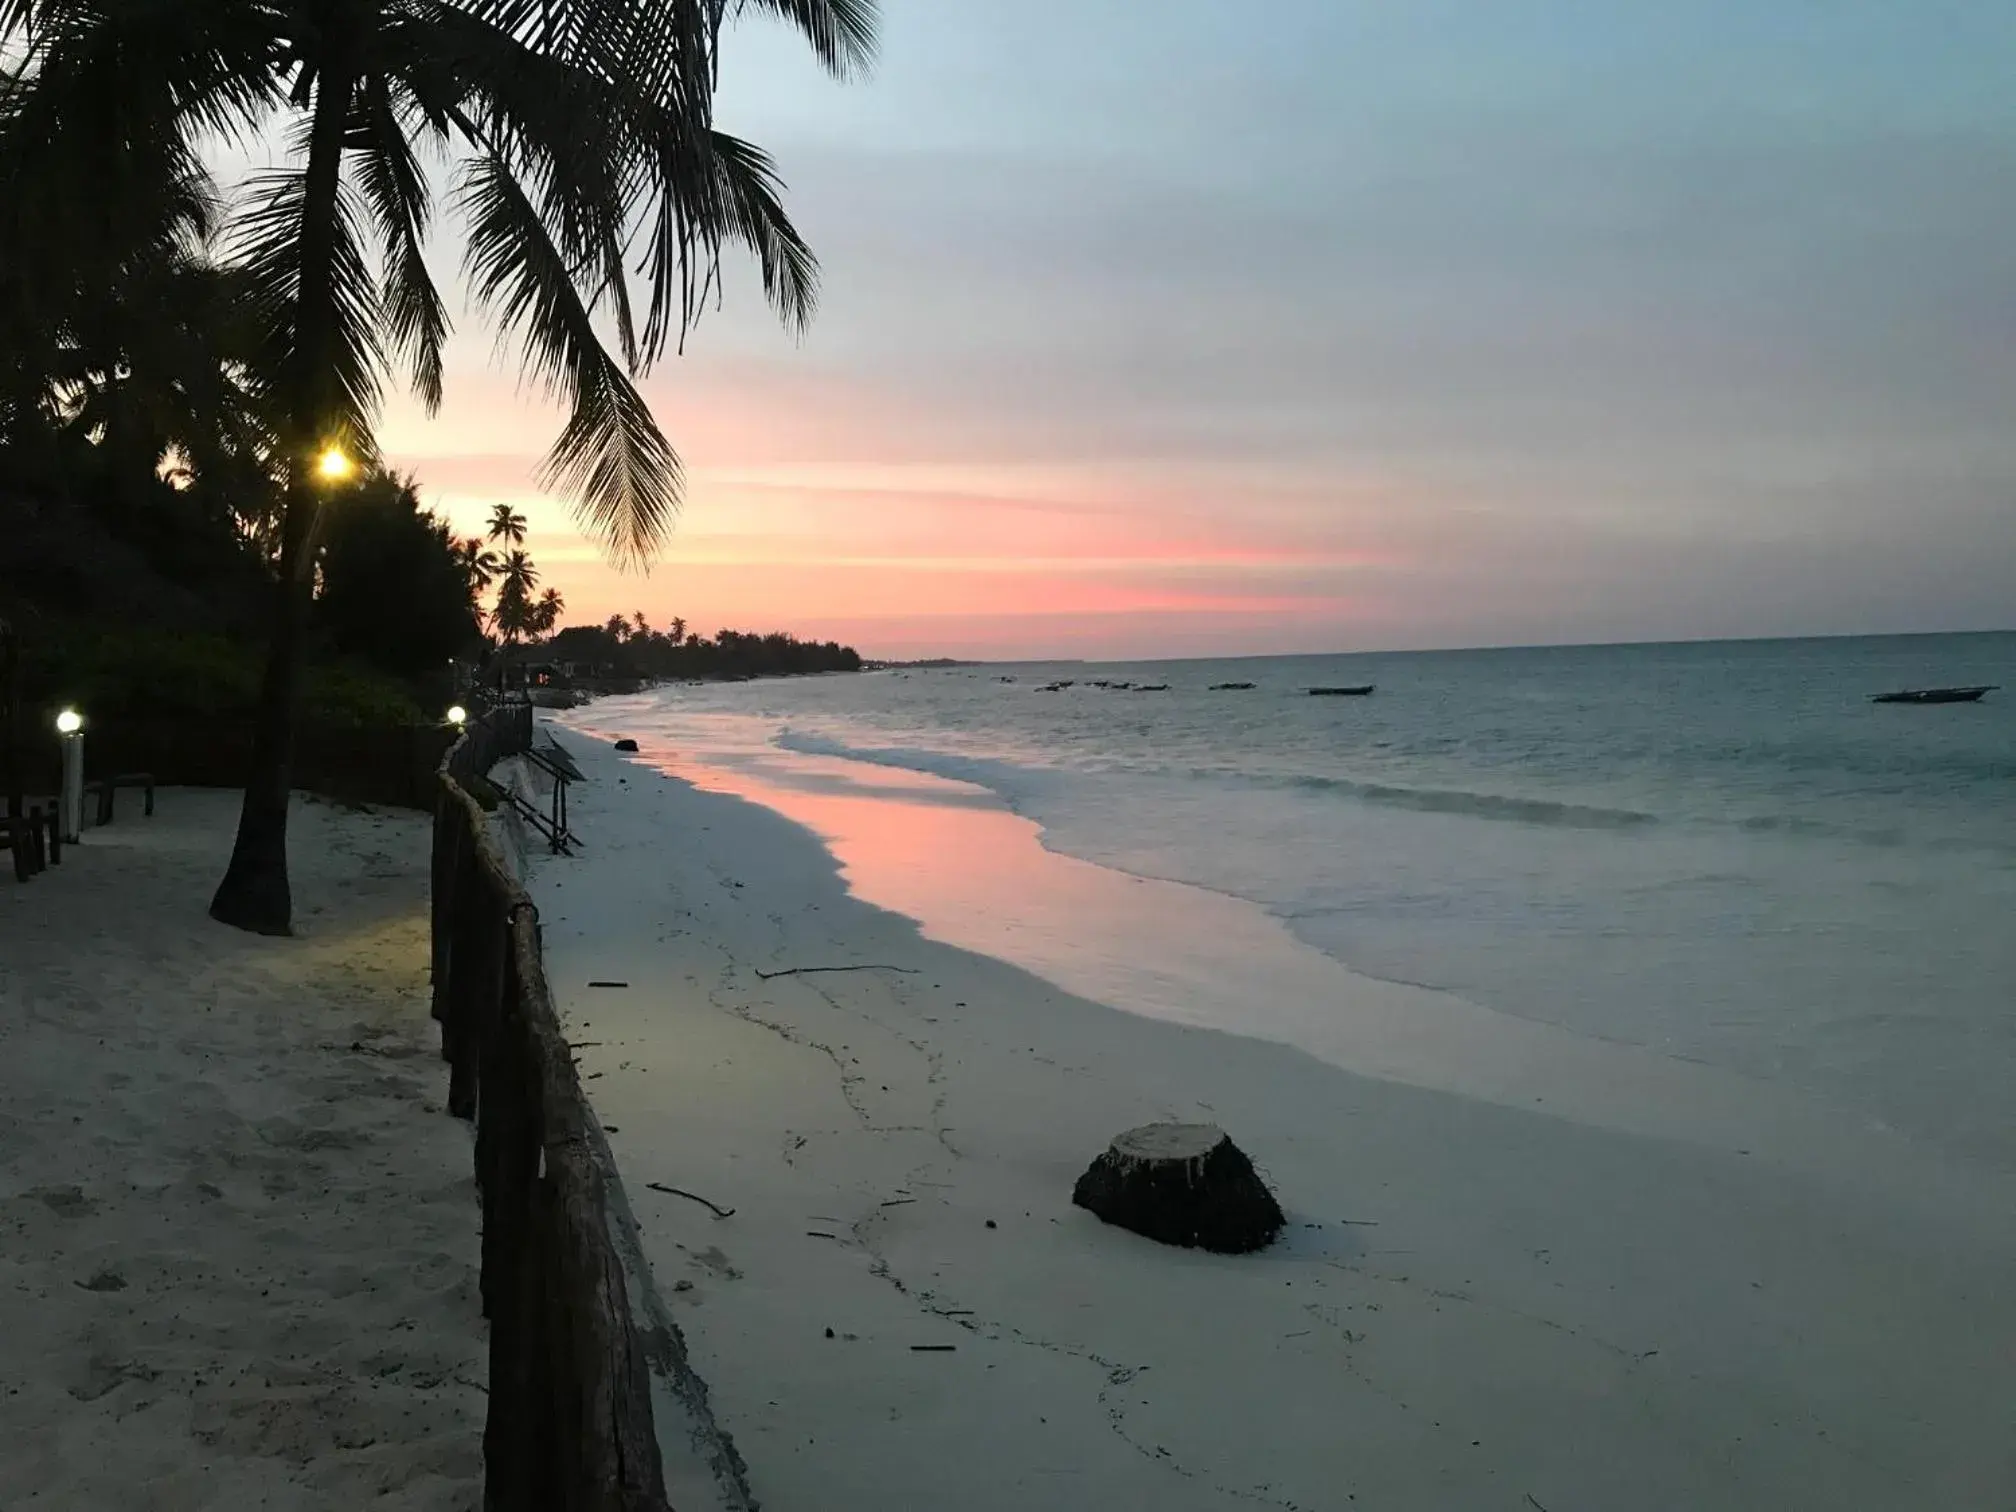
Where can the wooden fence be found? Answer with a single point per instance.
(570, 1426)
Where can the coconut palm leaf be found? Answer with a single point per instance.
(267, 241)
(389, 173)
(842, 32)
(611, 458)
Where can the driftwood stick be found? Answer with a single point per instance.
(672, 1191)
(808, 970)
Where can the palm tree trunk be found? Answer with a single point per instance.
(255, 893)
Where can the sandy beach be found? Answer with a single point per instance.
(240, 1229)
(1476, 1304)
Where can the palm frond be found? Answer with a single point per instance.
(266, 239)
(198, 69)
(397, 191)
(611, 458)
(566, 131)
(751, 210)
(842, 32)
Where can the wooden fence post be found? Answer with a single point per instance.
(465, 999)
(569, 1424)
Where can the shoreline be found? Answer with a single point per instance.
(1176, 952)
(1473, 1304)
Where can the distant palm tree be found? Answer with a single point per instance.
(678, 630)
(618, 628)
(506, 524)
(480, 565)
(545, 614)
(583, 145)
(515, 612)
(643, 625)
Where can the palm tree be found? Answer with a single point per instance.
(545, 614)
(516, 612)
(678, 630)
(581, 127)
(506, 524)
(480, 565)
(618, 628)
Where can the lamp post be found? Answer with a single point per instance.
(457, 715)
(70, 807)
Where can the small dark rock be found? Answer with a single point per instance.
(992, 1224)
(626, 744)
(829, 1333)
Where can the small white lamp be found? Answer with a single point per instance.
(70, 810)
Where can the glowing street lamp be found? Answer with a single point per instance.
(333, 465)
(70, 805)
(457, 715)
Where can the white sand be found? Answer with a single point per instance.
(240, 1231)
(1476, 1306)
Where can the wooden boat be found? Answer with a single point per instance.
(1354, 692)
(1933, 695)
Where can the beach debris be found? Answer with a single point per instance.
(626, 744)
(608, 984)
(898, 1201)
(104, 1281)
(933, 1348)
(829, 1333)
(809, 970)
(682, 1286)
(992, 1224)
(1184, 1184)
(1230, 687)
(672, 1191)
(819, 1234)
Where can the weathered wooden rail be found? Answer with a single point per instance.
(570, 1426)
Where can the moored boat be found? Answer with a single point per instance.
(1933, 695)
(1358, 691)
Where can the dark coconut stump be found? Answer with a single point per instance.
(1182, 1184)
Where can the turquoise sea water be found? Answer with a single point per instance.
(1720, 851)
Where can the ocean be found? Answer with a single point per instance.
(1718, 852)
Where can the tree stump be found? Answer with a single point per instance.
(1185, 1184)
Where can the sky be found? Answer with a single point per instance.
(1339, 324)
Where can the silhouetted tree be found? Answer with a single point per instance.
(506, 525)
(394, 589)
(575, 122)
